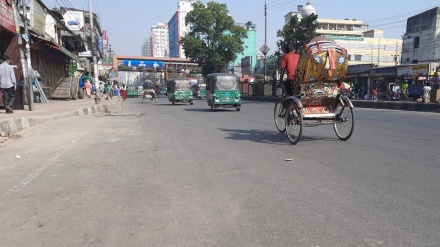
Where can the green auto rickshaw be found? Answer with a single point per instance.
(199, 91)
(222, 90)
(179, 90)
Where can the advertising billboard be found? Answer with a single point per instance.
(74, 20)
(39, 20)
(7, 17)
(143, 63)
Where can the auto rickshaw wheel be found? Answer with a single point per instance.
(173, 102)
(238, 108)
(191, 103)
(212, 108)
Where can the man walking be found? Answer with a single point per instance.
(7, 84)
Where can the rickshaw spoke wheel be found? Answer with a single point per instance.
(344, 122)
(278, 116)
(294, 123)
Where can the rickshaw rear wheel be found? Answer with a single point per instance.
(344, 122)
(238, 108)
(191, 103)
(294, 123)
(279, 116)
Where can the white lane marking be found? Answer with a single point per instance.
(37, 172)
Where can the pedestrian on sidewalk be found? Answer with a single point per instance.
(101, 88)
(8, 84)
(374, 94)
(426, 93)
(124, 91)
(88, 88)
(109, 91)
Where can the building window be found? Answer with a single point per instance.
(416, 42)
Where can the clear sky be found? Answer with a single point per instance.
(128, 23)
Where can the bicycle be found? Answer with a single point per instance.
(279, 111)
(405, 97)
(383, 97)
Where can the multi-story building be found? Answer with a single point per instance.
(178, 28)
(79, 22)
(364, 46)
(249, 50)
(421, 42)
(147, 48)
(159, 40)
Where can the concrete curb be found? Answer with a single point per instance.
(389, 105)
(14, 125)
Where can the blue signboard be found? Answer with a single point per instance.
(100, 44)
(143, 63)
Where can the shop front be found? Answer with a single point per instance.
(382, 77)
(359, 77)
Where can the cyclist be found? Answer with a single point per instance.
(289, 63)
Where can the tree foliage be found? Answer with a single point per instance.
(296, 32)
(214, 39)
(152, 76)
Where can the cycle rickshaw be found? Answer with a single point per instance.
(149, 94)
(321, 96)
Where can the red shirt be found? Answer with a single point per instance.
(290, 61)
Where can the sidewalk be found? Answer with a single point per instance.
(55, 109)
(389, 105)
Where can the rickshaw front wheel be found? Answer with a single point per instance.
(344, 122)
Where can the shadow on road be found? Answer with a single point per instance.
(272, 137)
(260, 136)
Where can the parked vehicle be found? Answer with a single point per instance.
(415, 91)
(179, 90)
(222, 90)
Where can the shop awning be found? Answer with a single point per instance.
(54, 45)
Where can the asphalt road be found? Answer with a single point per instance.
(163, 175)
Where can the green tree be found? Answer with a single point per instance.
(214, 39)
(296, 32)
(273, 64)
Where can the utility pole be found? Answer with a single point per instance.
(29, 88)
(24, 64)
(265, 38)
(95, 63)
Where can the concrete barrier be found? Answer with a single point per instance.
(389, 105)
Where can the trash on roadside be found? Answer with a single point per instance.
(17, 156)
